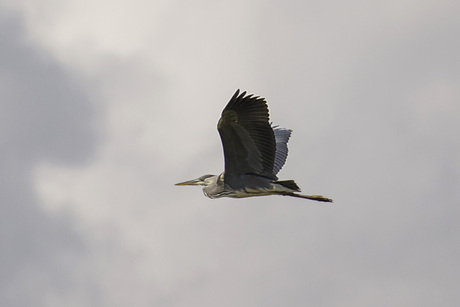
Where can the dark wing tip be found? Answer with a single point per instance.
(240, 99)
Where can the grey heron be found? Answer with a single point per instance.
(254, 152)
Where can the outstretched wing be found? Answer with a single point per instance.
(247, 137)
(282, 136)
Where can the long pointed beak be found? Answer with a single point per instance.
(189, 182)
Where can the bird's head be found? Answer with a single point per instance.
(204, 180)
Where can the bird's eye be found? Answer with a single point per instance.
(201, 179)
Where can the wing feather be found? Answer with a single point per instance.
(247, 137)
(282, 136)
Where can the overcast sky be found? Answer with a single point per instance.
(104, 105)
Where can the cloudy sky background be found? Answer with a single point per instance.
(104, 105)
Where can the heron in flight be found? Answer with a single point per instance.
(254, 151)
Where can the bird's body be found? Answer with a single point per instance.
(254, 150)
(253, 186)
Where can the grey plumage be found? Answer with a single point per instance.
(282, 136)
(254, 153)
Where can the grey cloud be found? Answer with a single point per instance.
(45, 116)
(368, 131)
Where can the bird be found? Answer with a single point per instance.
(254, 149)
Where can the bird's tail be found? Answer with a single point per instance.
(312, 197)
(290, 184)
